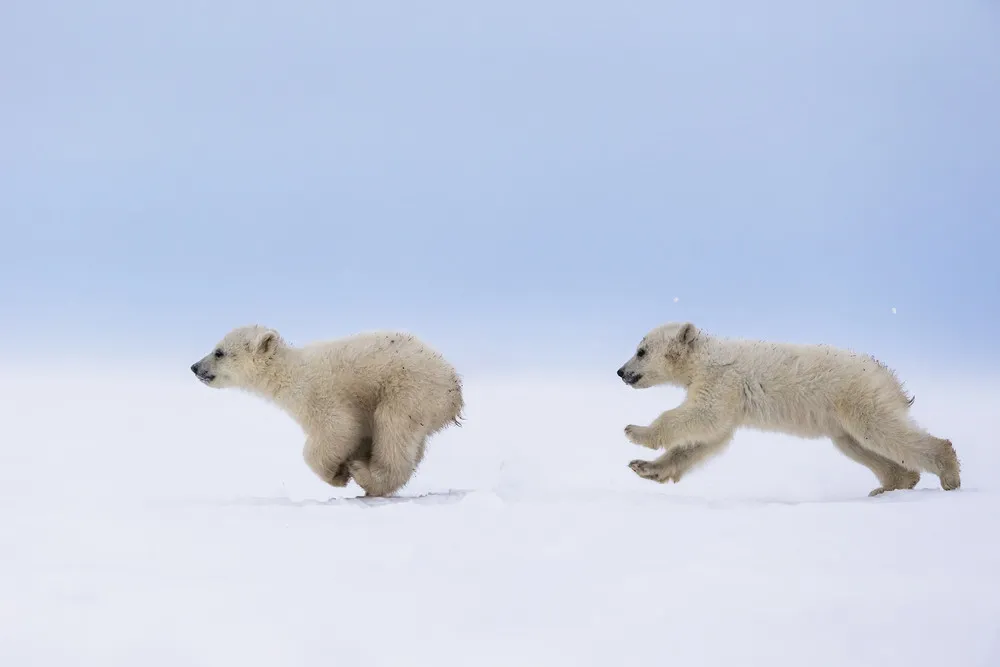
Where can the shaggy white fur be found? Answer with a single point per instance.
(810, 391)
(367, 403)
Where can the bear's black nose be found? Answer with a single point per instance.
(194, 368)
(621, 372)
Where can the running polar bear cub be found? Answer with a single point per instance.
(810, 391)
(367, 403)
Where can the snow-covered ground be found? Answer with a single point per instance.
(148, 520)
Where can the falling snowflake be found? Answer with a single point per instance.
(676, 299)
(893, 311)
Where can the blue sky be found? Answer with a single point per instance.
(520, 182)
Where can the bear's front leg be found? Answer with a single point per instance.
(640, 435)
(341, 477)
(362, 452)
(676, 462)
(695, 420)
(659, 470)
(325, 460)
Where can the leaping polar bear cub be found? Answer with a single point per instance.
(810, 391)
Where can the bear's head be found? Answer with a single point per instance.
(662, 356)
(241, 359)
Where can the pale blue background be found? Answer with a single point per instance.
(522, 182)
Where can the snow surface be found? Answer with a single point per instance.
(148, 520)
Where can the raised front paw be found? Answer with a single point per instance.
(638, 435)
(656, 473)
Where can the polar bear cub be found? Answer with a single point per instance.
(810, 391)
(367, 403)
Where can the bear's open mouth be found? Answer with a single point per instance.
(631, 378)
(207, 379)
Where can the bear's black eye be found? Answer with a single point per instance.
(219, 354)
(641, 353)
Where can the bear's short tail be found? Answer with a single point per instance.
(459, 405)
(459, 412)
(907, 397)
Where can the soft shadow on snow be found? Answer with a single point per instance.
(578, 497)
(446, 497)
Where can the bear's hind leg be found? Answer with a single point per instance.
(942, 457)
(419, 455)
(396, 446)
(950, 470)
(891, 475)
(899, 439)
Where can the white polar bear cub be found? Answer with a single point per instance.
(811, 391)
(367, 403)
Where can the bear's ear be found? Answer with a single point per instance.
(266, 342)
(687, 333)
